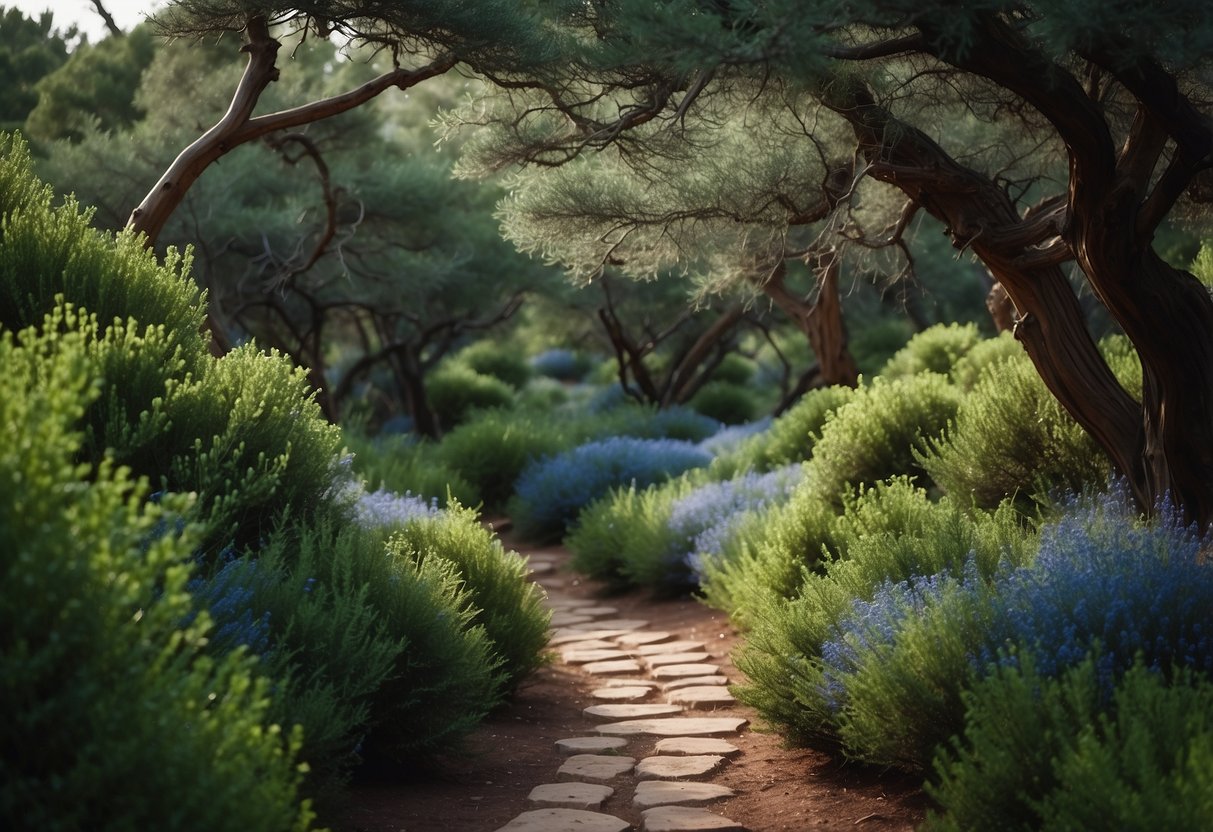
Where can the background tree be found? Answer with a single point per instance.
(1098, 128)
(29, 51)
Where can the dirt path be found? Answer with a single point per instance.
(777, 788)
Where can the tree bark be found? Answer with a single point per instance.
(820, 320)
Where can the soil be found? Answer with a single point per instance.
(779, 789)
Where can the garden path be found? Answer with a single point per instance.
(630, 728)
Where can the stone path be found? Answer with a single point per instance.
(649, 684)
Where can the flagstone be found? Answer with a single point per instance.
(644, 637)
(675, 726)
(596, 768)
(570, 795)
(591, 644)
(664, 792)
(562, 820)
(629, 682)
(598, 611)
(567, 636)
(693, 681)
(686, 819)
(695, 745)
(612, 623)
(579, 655)
(569, 619)
(683, 671)
(696, 696)
(662, 659)
(590, 745)
(665, 647)
(625, 693)
(631, 710)
(608, 667)
(678, 768)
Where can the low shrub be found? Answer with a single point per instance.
(1040, 752)
(551, 492)
(724, 444)
(969, 368)
(113, 720)
(791, 436)
(454, 391)
(506, 604)
(936, 349)
(881, 433)
(489, 358)
(725, 402)
(1011, 437)
(735, 369)
(562, 364)
(402, 465)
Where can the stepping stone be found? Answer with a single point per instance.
(695, 696)
(596, 611)
(568, 619)
(693, 681)
(592, 644)
(695, 745)
(612, 624)
(591, 745)
(628, 711)
(676, 658)
(567, 636)
(647, 637)
(629, 683)
(683, 671)
(570, 795)
(554, 583)
(540, 567)
(675, 726)
(568, 603)
(664, 792)
(625, 693)
(582, 656)
(607, 668)
(665, 647)
(677, 768)
(596, 768)
(686, 819)
(562, 820)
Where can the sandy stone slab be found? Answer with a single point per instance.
(621, 693)
(647, 637)
(598, 611)
(580, 655)
(568, 603)
(590, 745)
(540, 567)
(554, 583)
(630, 711)
(699, 696)
(679, 646)
(664, 792)
(612, 624)
(567, 636)
(569, 619)
(628, 683)
(686, 819)
(595, 768)
(678, 768)
(695, 745)
(693, 681)
(684, 671)
(570, 795)
(675, 726)
(562, 820)
(662, 659)
(592, 644)
(615, 666)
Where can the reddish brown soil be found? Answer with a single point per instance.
(778, 789)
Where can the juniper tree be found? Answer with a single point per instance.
(1044, 136)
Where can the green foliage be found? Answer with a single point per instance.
(401, 465)
(624, 537)
(726, 402)
(30, 49)
(791, 436)
(455, 391)
(886, 534)
(94, 88)
(969, 368)
(735, 369)
(507, 605)
(934, 350)
(115, 715)
(1044, 753)
(50, 252)
(881, 433)
(877, 343)
(1012, 438)
(501, 361)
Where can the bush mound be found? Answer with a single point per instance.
(790, 437)
(455, 391)
(725, 402)
(936, 349)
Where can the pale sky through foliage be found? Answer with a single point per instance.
(126, 13)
